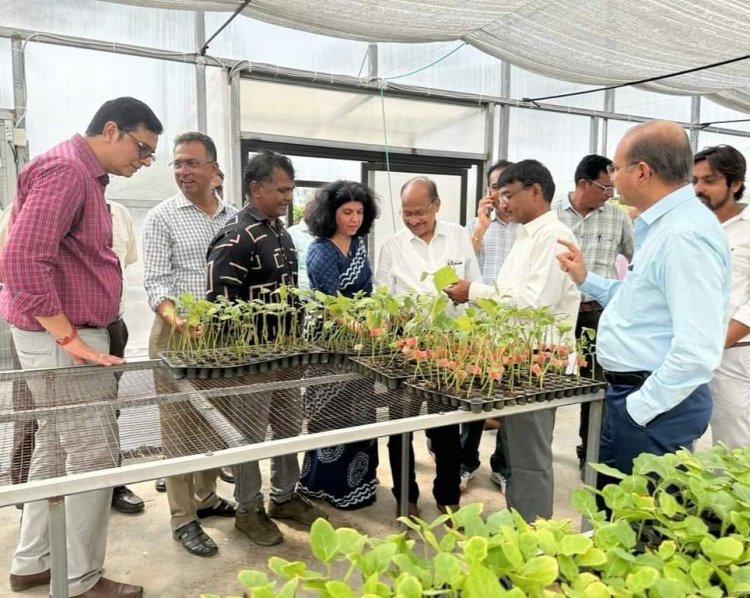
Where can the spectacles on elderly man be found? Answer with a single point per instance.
(418, 213)
(604, 188)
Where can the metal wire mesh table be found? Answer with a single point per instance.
(157, 426)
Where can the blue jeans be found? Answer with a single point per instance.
(623, 439)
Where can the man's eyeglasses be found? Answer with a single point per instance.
(145, 152)
(508, 195)
(612, 169)
(604, 188)
(189, 164)
(418, 213)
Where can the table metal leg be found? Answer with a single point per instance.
(592, 449)
(58, 547)
(403, 499)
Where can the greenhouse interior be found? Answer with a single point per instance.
(397, 97)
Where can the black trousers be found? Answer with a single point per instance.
(446, 444)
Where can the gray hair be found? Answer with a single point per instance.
(195, 136)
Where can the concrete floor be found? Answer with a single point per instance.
(141, 550)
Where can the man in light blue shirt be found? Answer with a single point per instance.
(662, 331)
(302, 238)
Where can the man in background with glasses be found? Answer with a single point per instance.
(63, 286)
(176, 237)
(603, 231)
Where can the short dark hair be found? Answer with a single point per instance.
(499, 165)
(431, 186)
(196, 137)
(530, 172)
(727, 161)
(322, 217)
(261, 166)
(669, 156)
(127, 113)
(591, 167)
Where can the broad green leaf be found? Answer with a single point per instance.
(668, 504)
(447, 569)
(444, 277)
(408, 587)
(338, 589)
(323, 540)
(642, 579)
(251, 578)
(475, 550)
(577, 544)
(568, 567)
(593, 557)
(741, 580)
(669, 588)
(584, 501)
(528, 544)
(374, 587)
(609, 471)
(407, 564)
(290, 589)
(350, 540)
(701, 573)
(543, 569)
(546, 541)
(481, 583)
(667, 549)
(723, 551)
(378, 559)
(596, 589)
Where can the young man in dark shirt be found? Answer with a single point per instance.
(250, 258)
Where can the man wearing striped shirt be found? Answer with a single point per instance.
(63, 285)
(603, 232)
(176, 237)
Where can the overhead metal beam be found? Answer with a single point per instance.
(200, 73)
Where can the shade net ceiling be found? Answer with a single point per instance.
(598, 42)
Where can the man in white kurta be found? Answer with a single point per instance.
(530, 278)
(719, 181)
(426, 245)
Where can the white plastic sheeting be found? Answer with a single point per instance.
(597, 42)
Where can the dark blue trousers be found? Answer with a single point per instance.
(623, 439)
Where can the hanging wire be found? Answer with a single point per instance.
(383, 84)
(628, 84)
(242, 7)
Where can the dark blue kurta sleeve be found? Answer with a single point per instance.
(323, 266)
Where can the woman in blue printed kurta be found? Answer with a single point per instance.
(343, 475)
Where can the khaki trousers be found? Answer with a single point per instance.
(181, 427)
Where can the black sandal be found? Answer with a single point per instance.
(223, 508)
(195, 540)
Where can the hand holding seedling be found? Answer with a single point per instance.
(571, 261)
(458, 291)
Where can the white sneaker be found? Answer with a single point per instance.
(466, 475)
(500, 480)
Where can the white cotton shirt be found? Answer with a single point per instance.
(531, 276)
(738, 233)
(404, 257)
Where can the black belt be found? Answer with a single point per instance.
(740, 344)
(626, 378)
(587, 306)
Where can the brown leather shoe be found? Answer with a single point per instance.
(19, 583)
(106, 588)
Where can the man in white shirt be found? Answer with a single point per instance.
(530, 279)
(302, 238)
(719, 181)
(426, 245)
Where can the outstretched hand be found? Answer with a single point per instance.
(571, 261)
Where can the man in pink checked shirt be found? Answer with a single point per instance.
(62, 289)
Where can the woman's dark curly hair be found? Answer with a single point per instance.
(322, 217)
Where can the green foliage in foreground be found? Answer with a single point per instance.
(680, 526)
